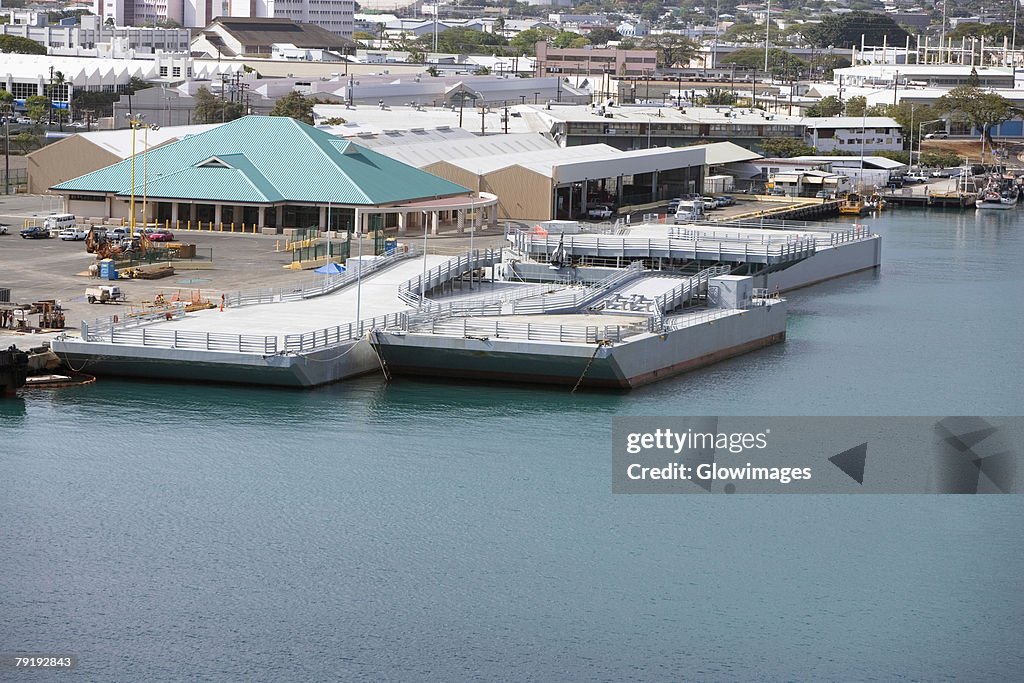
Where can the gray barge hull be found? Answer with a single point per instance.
(639, 360)
(309, 369)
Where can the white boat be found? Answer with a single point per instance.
(994, 198)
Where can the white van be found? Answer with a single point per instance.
(57, 222)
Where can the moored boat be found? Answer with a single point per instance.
(852, 205)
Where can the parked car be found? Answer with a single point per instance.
(117, 233)
(599, 212)
(673, 204)
(709, 203)
(776, 192)
(73, 234)
(37, 232)
(24, 120)
(895, 183)
(725, 200)
(159, 235)
(824, 194)
(936, 136)
(913, 178)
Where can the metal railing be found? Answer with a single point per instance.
(736, 249)
(205, 341)
(414, 290)
(677, 322)
(313, 288)
(684, 291)
(832, 237)
(499, 329)
(100, 329)
(579, 298)
(339, 334)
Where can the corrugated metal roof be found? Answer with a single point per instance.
(718, 153)
(271, 159)
(424, 154)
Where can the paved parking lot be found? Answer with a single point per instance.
(54, 269)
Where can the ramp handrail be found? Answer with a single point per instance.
(100, 328)
(684, 291)
(412, 290)
(573, 300)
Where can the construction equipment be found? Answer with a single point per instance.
(97, 243)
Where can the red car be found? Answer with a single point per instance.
(159, 235)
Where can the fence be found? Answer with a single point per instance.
(324, 285)
(339, 334)
(500, 329)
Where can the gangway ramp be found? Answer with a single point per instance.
(639, 296)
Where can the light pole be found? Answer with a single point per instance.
(145, 171)
(920, 140)
(767, 26)
(135, 121)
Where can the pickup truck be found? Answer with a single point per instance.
(599, 212)
(35, 233)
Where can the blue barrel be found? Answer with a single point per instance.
(390, 246)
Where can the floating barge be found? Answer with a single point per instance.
(618, 309)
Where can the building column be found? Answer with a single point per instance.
(583, 197)
(435, 220)
(217, 213)
(193, 213)
(654, 186)
(461, 221)
(492, 215)
(261, 214)
(174, 213)
(323, 217)
(401, 223)
(279, 216)
(618, 190)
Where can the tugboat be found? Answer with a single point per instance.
(13, 370)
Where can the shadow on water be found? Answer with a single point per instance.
(12, 408)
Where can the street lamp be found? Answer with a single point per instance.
(145, 170)
(920, 126)
(135, 121)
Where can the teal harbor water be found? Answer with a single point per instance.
(432, 531)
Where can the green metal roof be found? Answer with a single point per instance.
(265, 159)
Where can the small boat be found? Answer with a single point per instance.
(992, 197)
(852, 205)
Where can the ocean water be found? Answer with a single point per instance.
(432, 531)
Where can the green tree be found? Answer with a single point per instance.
(844, 30)
(37, 108)
(718, 96)
(26, 141)
(786, 147)
(363, 38)
(781, 64)
(977, 107)
(602, 35)
(940, 159)
(743, 33)
(826, 106)
(525, 43)
(672, 49)
(462, 41)
(856, 106)
(295, 105)
(212, 109)
(19, 45)
(567, 39)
